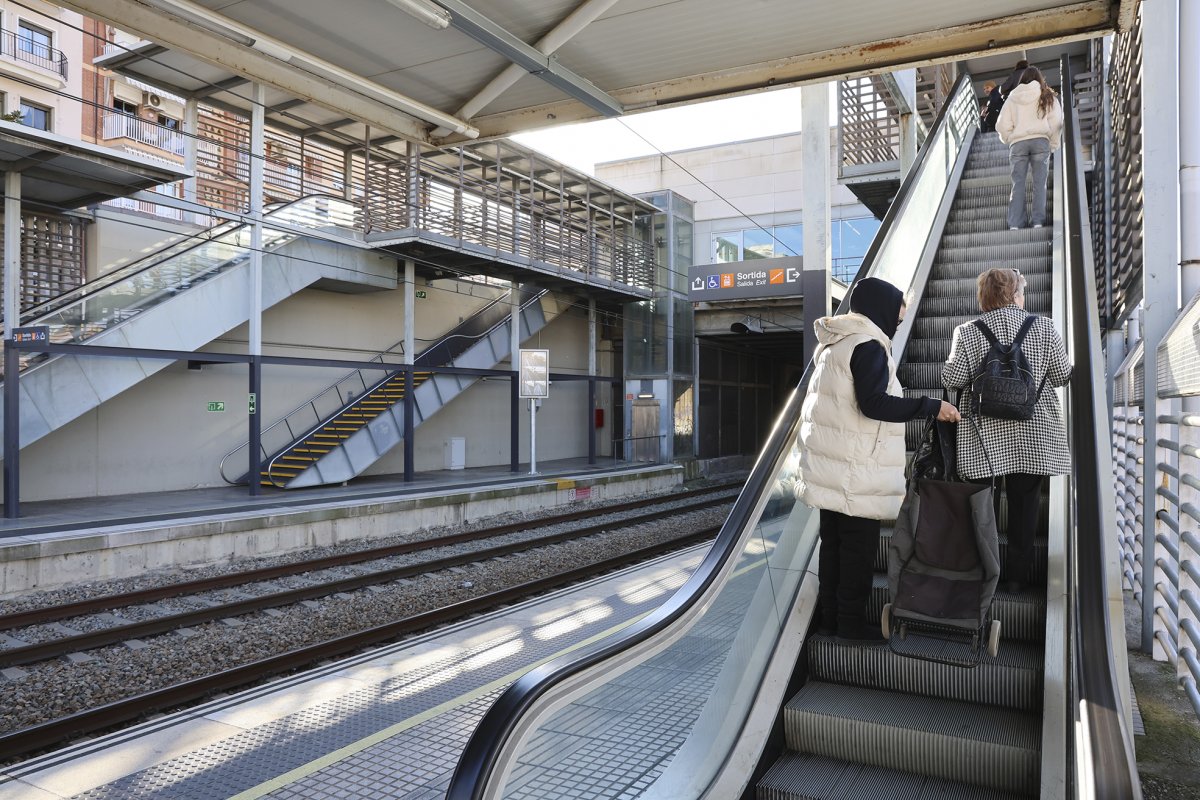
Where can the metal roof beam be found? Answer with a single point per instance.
(494, 37)
(1082, 20)
(220, 86)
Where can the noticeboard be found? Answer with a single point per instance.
(534, 375)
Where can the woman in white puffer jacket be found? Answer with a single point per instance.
(1030, 123)
(852, 450)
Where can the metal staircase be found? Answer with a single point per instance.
(184, 296)
(868, 719)
(350, 425)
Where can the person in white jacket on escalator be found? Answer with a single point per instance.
(1031, 124)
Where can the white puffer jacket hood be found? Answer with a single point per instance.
(848, 462)
(1020, 119)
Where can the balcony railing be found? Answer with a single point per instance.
(31, 51)
(118, 125)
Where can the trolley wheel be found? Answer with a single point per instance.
(885, 622)
(993, 642)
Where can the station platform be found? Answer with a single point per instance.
(387, 724)
(64, 542)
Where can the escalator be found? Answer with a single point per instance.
(723, 692)
(184, 296)
(350, 425)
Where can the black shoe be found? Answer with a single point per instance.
(1012, 587)
(857, 632)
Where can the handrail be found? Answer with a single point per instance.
(33, 313)
(527, 297)
(1112, 770)
(478, 763)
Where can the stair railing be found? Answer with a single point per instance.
(768, 535)
(98, 306)
(281, 436)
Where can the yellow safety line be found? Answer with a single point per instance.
(266, 787)
(304, 770)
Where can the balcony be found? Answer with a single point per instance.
(31, 51)
(118, 125)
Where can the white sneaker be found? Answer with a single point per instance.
(1013, 227)
(1038, 226)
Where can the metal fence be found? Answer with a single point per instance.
(118, 125)
(31, 51)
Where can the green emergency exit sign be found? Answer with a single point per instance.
(216, 405)
(420, 294)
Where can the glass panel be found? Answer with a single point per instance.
(645, 338)
(757, 243)
(850, 244)
(681, 206)
(789, 240)
(684, 342)
(683, 254)
(727, 247)
(684, 417)
(94, 308)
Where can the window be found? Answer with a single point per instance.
(125, 107)
(168, 123)
(789, 240)
(727, 247)
(757, 243)
(35, 116)
(34, 40)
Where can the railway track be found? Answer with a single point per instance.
(37, 737)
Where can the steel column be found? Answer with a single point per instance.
(410, 315)
(12, 368)
(815, 180)
(257, 154)
(1160, 275)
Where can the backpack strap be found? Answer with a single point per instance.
(1024, 329)
(987, 333)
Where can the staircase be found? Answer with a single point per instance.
(182, 298)
(364, 426)
(870, 723)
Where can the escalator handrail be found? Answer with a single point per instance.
(1113, 766)
(479, 757)
(527, 296)
(33, 314)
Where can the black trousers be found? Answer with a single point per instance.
(1024, 493)
(848, 547)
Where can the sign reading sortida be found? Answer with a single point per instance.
(741, 280)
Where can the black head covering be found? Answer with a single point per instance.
(878, 301)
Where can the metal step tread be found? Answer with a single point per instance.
(950, 739)
(1022, 616)
(1013, 679)
(805, 776)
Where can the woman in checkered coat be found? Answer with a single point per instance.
(1022, 452)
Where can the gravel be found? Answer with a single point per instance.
(47, 690)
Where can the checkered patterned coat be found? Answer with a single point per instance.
(1037, 446)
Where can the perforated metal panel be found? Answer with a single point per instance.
(1179, 355)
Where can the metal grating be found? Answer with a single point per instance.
(1178, 357)
(868, 123)
(1125, 187)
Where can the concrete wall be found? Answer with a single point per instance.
(159, 436)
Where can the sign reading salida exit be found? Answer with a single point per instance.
(739, 280)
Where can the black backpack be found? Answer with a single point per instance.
(1003, 386)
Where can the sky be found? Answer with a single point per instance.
(583, 145)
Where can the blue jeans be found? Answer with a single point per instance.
(1024, 156)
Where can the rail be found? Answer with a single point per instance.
(768, 540)
(119, 125)
(1105, 765)
(339, 397)
(98, 306)
(32, 51)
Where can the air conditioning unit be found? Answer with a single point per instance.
(152, 100)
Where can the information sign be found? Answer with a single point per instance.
(216, 405)
(253, 403)
(741, 280)
(534, 375)
(32, 334)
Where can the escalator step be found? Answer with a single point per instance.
(996, 252)
(1011, 680)
(973, 268)
(1022, 616)
(949, 739)
(966, 287)
(804, 776)
(1003, 238)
